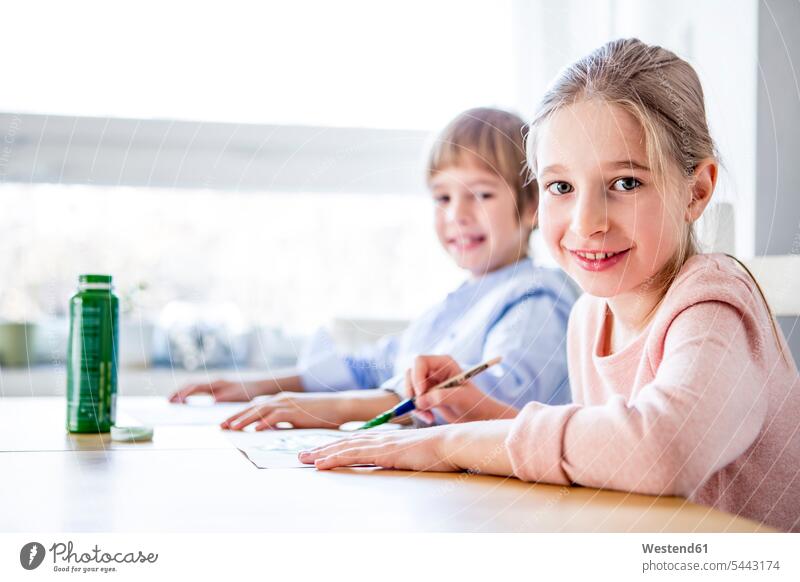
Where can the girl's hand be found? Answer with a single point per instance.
(478, 447)
(222, 391)
(415, 450)
(465, 403)
(312, 410)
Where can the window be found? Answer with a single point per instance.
(214, 155)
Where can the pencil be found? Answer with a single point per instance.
(408, 405)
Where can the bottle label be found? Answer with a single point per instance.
(91, 373)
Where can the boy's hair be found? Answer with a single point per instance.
(492, 138)
(663, 93)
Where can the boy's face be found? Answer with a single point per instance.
(477, 219)
(598, 198)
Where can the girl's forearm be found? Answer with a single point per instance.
(479, 447)
(501, 410)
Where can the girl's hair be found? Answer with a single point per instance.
(663, 93)
(492, 138)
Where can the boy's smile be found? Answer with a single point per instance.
(477, 219)
(463, 243)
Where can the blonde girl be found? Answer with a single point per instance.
(682, 382)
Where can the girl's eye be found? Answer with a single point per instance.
(484, 195)
(441, 199)
(626, 184)
(559, 188)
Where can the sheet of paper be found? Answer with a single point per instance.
(277, 449)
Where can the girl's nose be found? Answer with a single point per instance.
(590, 214)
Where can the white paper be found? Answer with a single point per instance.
(277, 449)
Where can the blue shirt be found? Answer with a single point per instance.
(519, 312)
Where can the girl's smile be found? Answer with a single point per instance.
(597, 260)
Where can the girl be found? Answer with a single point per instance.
(683, 384)
(484, 215)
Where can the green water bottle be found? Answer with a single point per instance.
(92, 356)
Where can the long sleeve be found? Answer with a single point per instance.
(705, 406)
(531, 337)
(324, 369)
(374, 364)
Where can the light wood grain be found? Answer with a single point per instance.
(38, 424)
(191, 479)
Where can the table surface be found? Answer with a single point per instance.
(191, 478)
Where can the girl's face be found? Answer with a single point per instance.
(601, 214)
(477, 219)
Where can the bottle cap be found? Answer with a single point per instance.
(132, 434)
(95, 279)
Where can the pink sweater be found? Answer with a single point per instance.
(701, 404)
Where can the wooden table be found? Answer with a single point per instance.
(191, 478)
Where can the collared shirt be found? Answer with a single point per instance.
(519, 312)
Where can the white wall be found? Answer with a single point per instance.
(778, 172)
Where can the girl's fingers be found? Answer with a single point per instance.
(336, 446)
(312, 455)
(307, 457)
(363, 455)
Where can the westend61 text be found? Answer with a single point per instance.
(671, 549)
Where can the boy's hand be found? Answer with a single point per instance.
(463, 403)
(221, 390)
(312, 410)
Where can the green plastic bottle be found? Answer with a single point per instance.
(92, 356)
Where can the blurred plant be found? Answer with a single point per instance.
(133, 299)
